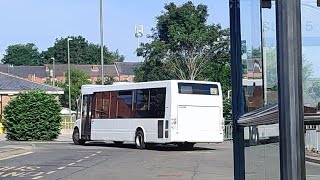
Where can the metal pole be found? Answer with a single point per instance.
(101, 41)
(291, 112)
(237, 90)
(69, 76)
(53, 73)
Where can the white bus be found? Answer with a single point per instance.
(163, 112)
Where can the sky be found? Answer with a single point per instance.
(42, 21)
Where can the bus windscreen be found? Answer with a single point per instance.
(196, 88)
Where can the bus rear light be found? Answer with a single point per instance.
(174, 123)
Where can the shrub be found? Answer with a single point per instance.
(33, 115)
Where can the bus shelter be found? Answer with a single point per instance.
(275, 78)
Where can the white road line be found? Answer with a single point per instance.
(60, 168)
(17, 155)
(93, 154)
(71, 164)
(99, 152)
(87, 157)
(79, 160)
(38, 174)
(37, 177)
(50, 172)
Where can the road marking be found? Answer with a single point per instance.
(71, 164)
(87, 157)
(79, 160)
(38, 174)
(60, 168)
(93, 154)
(50, 172)
(17, 155)
(99, 152)
(38, 177)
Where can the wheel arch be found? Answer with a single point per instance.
(144, 133)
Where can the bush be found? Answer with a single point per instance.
(33, 115)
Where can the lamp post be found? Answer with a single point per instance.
(101, 41)
(69, 39)
(53, 72)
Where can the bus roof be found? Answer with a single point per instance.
(90, 89)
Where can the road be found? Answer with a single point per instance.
(63, 160)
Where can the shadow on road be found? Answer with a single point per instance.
(149, 147)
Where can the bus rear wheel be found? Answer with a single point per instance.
(76, 137)
(186, 146)
(139, 140)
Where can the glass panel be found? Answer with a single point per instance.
(158, 102)
(193, 88)
(310, 28)
(124, 104)
(251, 54)
(260, 87)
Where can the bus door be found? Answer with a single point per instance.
(86, 117)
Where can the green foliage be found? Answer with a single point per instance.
(33, 115)
(22, 54)
(184, 46)
(183, 43)
(81, 52)
(108, 80)
(78, 78)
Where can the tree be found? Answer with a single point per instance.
(108, 80)
(33, 115)
(81, 52)
(78, 78)
(184, 42)
(272, 78)
(183, 46)
(22, 54)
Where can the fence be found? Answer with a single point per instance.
(68, 122)
(228, 132)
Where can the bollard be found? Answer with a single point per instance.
(1, 128)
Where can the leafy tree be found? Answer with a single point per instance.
(22, 54)
(271, 61)
(183, 46)
(78, 78)
(184, 42)
(33, 115)
(81, 52)
(107, 80)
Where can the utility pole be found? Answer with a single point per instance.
(101, 41)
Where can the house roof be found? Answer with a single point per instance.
(24, 71)
(127, 68)
(91, 70)
(13, 84)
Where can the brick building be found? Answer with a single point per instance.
(11, 85)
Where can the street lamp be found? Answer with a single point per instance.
(101, 41)
(69, 39)
(54, 70)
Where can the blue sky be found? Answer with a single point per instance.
(41, 21)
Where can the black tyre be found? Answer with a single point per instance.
(76, 137)
(118, 142)
(139, 140)
(186, 146)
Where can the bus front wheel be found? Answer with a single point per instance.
(139, 140)
(76, 137)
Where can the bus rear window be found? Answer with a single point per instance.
(194, 88)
